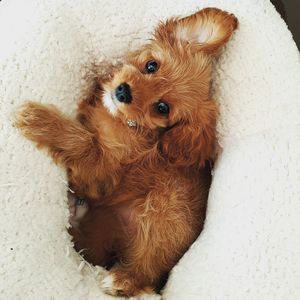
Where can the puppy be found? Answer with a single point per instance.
(137, 152)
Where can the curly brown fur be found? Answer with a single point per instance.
(146, 185)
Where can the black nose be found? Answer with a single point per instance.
(123, 93)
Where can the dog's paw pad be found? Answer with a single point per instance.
(78, 207)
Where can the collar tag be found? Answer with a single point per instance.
(131, 123)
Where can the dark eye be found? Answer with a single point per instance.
(151, 66)
(162, 108)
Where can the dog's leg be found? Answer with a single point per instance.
(142, 268)
(152, 249)
(67, 141)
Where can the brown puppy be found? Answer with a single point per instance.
(137, 152)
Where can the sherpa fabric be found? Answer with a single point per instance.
(250, 247)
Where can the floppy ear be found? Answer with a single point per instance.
(207, 30)
(192, 142)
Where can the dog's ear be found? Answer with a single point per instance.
(207, 30)
(192, 142)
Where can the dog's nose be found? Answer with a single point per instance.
(123, 93)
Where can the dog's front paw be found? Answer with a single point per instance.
(29, 119)
(118, 283)
(36, 121)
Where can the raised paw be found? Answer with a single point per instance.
(30, 119)
(37, 122)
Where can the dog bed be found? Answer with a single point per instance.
(250, 246)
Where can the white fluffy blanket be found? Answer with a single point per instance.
(250, 247)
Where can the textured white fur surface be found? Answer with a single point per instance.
(250, 247)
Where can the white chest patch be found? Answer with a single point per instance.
(108, 102)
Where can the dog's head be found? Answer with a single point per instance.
(166, 84)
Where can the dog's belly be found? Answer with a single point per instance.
(106, 228)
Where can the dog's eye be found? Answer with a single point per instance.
(151, 66)
(162, 108)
